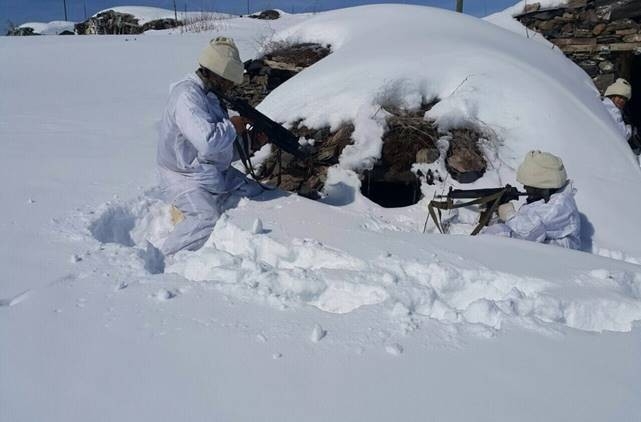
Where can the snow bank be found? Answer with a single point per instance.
(256, 264)
(521, 94)
(306, 271)
(51, 28)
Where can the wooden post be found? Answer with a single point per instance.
(175, 12)
(459, 6)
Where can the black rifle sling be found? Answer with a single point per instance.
(449, 204)
(243, 152)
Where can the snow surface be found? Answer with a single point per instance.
(51, 28)
(294, 310)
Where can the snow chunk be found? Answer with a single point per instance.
(394, 349)
(318, 333)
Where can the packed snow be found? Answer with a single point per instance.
(298, 309)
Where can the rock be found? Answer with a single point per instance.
(582, 33)
(465, 162)
(546, 25)
(622, 24)
(529, 8)
(626, 31)
(590, 67)
(608, 39)
(266, 15)
(427, 155)
(598, 29)
(603, 81)
(606, 66)
(632, 38)
(160, 24)
(24, 31)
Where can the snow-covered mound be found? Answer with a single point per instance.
(519, 93)
(51, 28)
(146, 14)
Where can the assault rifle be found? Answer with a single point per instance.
(490, 199)
(507, 193)
(276, 133)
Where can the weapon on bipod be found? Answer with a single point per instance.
(277, 134)
(490, 199)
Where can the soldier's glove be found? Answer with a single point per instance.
(506, 211)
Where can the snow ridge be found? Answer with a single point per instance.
(254, 265)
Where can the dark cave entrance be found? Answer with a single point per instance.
(391, 194)
(633, 109)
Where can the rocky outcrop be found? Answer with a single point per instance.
(266, 15)
(116, 23)
(23, 31)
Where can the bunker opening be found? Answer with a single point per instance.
(390, 194)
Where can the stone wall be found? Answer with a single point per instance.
(601, 36)
(116, 23)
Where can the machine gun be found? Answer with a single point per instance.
(506, 194)
(489, 199)
(276, 133)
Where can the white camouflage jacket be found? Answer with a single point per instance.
(617, 116)
(556, 222)
(196, 145)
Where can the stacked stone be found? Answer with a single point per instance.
(263, 75)
(116, 23)
(266, 15)
(23, 31)
(595, 34)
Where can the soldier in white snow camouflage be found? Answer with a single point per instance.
(550, 214)
(196, 147)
